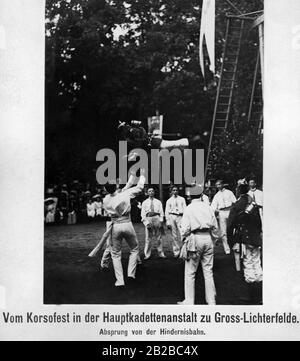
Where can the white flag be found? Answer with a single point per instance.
(207, 29)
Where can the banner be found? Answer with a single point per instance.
(207, 29)
(155, 125)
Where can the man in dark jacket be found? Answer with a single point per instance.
(244, 234)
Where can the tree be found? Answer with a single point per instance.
(108, 60)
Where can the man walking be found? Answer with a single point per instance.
(117, 205)
(198, 228)
(152, 216)
(175, 207)
(221, 204)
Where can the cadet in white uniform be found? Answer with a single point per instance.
(117, 205)
(90, 209)
(175, 207)
(152, 215)
(256, 195)
(198, 225)
(221, 204)
(98, 205)
(104, 265)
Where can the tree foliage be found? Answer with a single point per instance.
(109, 60)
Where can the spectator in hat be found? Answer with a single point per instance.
(90, 209)
(98, 205)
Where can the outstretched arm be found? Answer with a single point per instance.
(134, 191)
(129, 183)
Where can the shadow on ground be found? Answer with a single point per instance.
(71, 277)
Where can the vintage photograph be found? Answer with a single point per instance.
(154, 139)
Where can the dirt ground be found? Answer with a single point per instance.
(71, 277)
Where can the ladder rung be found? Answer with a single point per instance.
(229, 59)
(231, 55)
(223, 104)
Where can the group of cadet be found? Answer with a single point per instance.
(195, 228)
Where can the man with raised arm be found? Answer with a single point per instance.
(117, 205)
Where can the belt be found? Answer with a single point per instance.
(122, 219)
(225, 209)
(152, 214)
(200, 230)
(176, 214)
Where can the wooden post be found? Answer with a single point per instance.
(259, 22)
(261, 50)
(161, 193)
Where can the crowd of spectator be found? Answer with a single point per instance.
(73, 203)
(78, 202)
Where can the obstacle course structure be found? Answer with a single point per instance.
(237, 27)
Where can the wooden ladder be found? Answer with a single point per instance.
(227, 80)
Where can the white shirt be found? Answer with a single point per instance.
(223, 199)
(175, 205)
(98, 207)
(198, 215)
(157, 208)
(257, 196)
(90, 207)
(118, 204)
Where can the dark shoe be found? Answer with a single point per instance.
(131, 282)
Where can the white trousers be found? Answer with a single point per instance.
(252, 265)
(175, 222)
(106, 255)
(151, 235)
(205, 254)
(126, 231)
(223, 217)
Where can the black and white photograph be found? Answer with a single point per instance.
(149, 178)
(164, 75)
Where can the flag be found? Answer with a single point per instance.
(207, 29)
